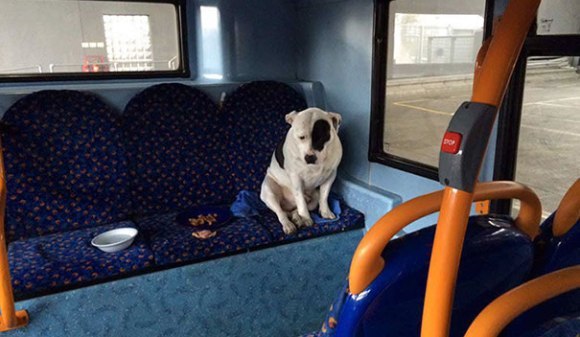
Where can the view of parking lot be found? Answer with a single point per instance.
(417, 114)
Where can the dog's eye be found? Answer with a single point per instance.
(302, 137)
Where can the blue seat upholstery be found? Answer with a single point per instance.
(65, 164)
(552, 253)
(173, 243)
(177, 154)
(75, 168)
(567, 326)
(59, 260)
(557, 252)
(256, 124)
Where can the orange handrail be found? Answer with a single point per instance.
(497, 60)
(10, 318)
(367, 262)
(497, 315)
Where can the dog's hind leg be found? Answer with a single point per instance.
(272, 200)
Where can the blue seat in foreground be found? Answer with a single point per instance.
(495, 258)
(557, 315)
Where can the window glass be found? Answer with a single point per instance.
(549, 140)
(432, 47)
(72, 36)
(558, 17)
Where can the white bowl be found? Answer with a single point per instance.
(115, 240)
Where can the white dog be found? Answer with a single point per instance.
(303, 168)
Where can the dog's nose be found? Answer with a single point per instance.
(310, 159)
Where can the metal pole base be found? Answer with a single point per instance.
(22, 320)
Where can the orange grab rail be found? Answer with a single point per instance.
(568, 211)
(497, 315)
(367, 262)
(493, 70)
(10, 319)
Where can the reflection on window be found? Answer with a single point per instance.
(74, 36)
(431, 57)
(212, 65)
(433, 38)
(128, 40)
(549, 138)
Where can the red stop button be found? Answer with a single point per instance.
(451, 142)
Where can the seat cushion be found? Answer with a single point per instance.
(65, 164)
(256, 124)
(174, 243)
(349, 219)
(176, 151)
(58, 260)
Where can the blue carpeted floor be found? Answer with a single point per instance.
(281, 291)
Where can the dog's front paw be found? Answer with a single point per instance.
(288, 227)
(301, 221)
(327, 214)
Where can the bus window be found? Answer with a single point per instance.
(431, 50)
(557, 17)
(547, 158)
(56, 37)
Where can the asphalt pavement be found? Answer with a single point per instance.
(549, 145)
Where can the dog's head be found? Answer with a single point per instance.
(312, 130)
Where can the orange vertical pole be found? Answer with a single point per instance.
(444, 264)
(495, 64)
(9, 319)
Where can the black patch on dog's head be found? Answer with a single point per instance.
(320, 134)
(279, 153)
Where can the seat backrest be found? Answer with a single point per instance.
(65, 164)
(176, 152)
(557, 247)
(256, 125)
(495, 258)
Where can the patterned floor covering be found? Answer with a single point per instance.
(281, 291)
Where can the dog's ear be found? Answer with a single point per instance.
(290, 117)
(336, 120)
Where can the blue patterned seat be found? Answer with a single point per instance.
(65, 164)
(176, 151)
(66, 178)
(75, 169)
(173, 243)
(60, 260)
(256, 125)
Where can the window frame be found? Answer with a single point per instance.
(183, 71)
(377, 154)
